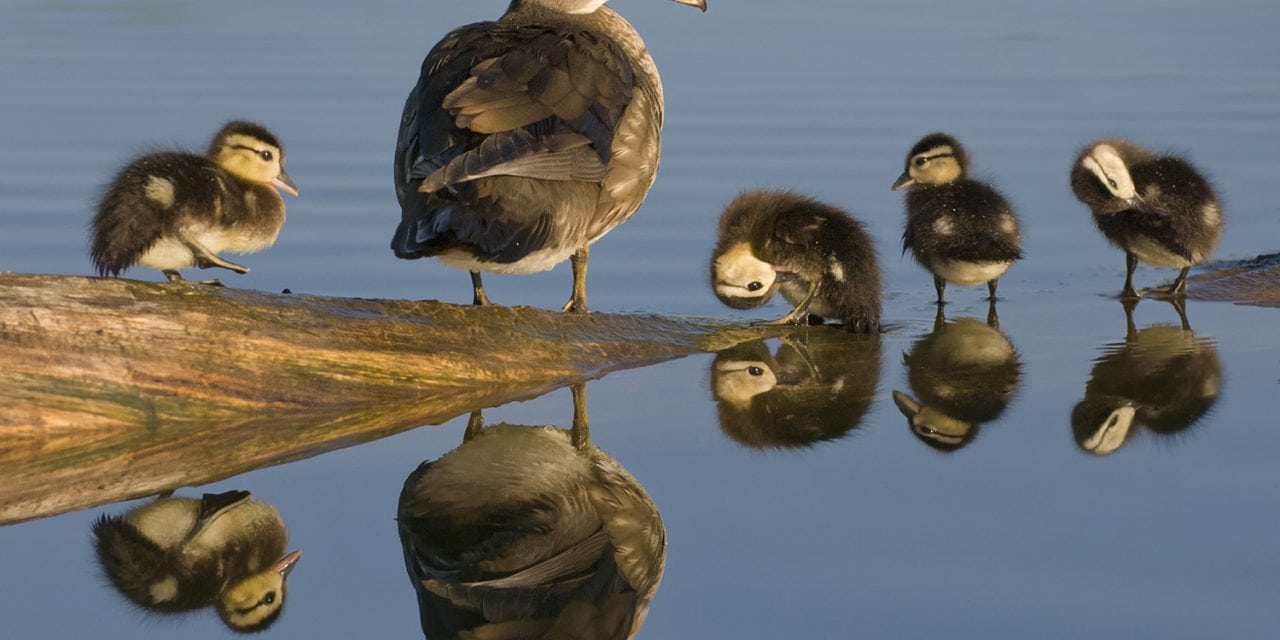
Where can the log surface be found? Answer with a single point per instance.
(1253, 282)
(115, 389)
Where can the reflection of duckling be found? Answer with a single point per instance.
(530, 532)
(172, 209)
(961, 230)
(820, 257)
(965, 373)
(816, 388)
(1158, 209)
(1162, 377)
(177, 554)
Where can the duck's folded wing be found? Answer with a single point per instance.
(497, 99)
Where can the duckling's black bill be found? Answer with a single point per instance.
(905, 180)
(284, 565)
(700, 4)
(284, 183)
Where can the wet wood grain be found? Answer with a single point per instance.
(116, 389)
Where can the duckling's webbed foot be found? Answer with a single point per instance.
(1178, 289)
(993, 318)
(578, 300)
(477, 290)
(173, 276)
(991, 288)
(798, 315)
(206, 259)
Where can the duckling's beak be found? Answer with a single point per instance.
(284, 183)
(701, 4)
(284, 565)
(906, 404)
(905, 180)
(1135, 201)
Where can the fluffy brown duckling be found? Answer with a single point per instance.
(172, 210)
(1157, 208)
(962, 230)
(817, 255)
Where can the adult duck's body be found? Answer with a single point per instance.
(526, 139)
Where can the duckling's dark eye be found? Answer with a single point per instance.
(920, 162)
(1112, 183)
(755, 371)
(754, 286)
(269, 598)
(265, 155)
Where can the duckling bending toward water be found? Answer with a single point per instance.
(177, 554)
(526, 140)
(172, 210)
(961, 230)
(818, 256)
(1158, 209)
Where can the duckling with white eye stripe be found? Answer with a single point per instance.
(818, 256)
(173, 210)
(960, 229)
(177, 554)
(1158, 209)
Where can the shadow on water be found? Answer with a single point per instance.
(177, 554)
(963, 374)
(530, 532)
(1162, 378)
(817, 386)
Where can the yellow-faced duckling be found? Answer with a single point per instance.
(960, 229)
(527, 139)
(1156, 208)
(818, 256)
(1162, 378)
(176, 554)
(963, 374)
(530, 532)
(172, 210)
(817, 387)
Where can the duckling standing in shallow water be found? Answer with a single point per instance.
(172, 210)
(961, 230)
(1158, 209)
(177, 554)
(818, 256)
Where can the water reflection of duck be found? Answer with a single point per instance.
(817, 386)
(530, 532)
(177, 554)
(964, 374)
(172, 210)
(1162, 377)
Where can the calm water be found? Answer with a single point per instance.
(1019, 533)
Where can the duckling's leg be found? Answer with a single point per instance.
(798, 315)
(578, 301)
(1180, 305)
(1130, 264)
(993, 318)
(1179, 287)
(991, 288)
(477, 290)
(939, 320)
(581, 432)
(475, 426)
(941, 286)
(1130, 329)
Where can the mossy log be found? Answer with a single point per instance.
(1253, 282)
(116, 389)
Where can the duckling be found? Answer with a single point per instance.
(818, 256)
(1162, 378)
(530, 532)
(172, 210)
(817, 387)
(1157, 208)
(960, 229)
(177, 554)
(965, 374)
(526, 140)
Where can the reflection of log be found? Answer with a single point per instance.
(114, 389)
